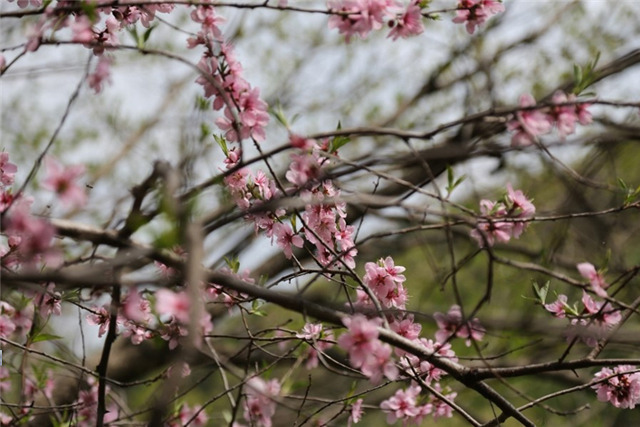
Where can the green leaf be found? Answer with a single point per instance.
(541, 291)
(277, 112)
(147, 33)
(222, 143)
(233, 263)
(338, 141)
(44, 337)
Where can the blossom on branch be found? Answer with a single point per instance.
(598, 284)
(62, 180)
(474, 13)
(620, 386)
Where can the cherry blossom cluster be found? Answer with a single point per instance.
(500, 219)
(360, 17)
(189, 416)
(138, 321)
(98, 31)
(376, 360)
(324, 217)
(596, 318)
(474, 13)
(318, 339)
(404, 405)
(29, 237)
(453, 324)
(245, 114)
(620, 386)
(528, 124)
(259, 405)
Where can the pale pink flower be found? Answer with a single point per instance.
(30, 238)
(604, 314)
(452, 322)
(101, 317)
(26, 3)
(259, 405)
(361, 338)
(406, 327)
(622, 390)
(101, 74)
(6, 326)
(558, 307)
(362, 16)
(172, 332)
(379, 364)
(598, 284)
(136, 308)
(82, 30)
(436, 407)
(7, 169)
(62, 181)
(186, 414)
(286, 238)
(310, 331)
(487, 232)
(409, 24)
(49, 301)
(528, 124)
(174, 304)
(475, 12)
(565, 115)
(136, 333)
(356, 413)
(402, 405)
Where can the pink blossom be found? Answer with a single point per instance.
(7, 169)
(379, 364)
(475, 12)
(172, 332)
(30, 238)
(598, 284)
(360, 16)
(361, 338)
(437, 407)
(528, 124)
(402, 405)
(99, 317)
(301, 142)
(406, 328)
(82, 30)
(310, 331)
(622, 390)
(26, 3)
(186, 415)
(49, 301)
(286, 238)
(136, 308)
(63, 181)
(487, 232)
(6, 326)
(603, 313)
(564, 115)
(173, 304)
(452, 323)
(259, 406)
(558, 307)
(136, 333)
(356, 413)
(101, 74)
(409, 24)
